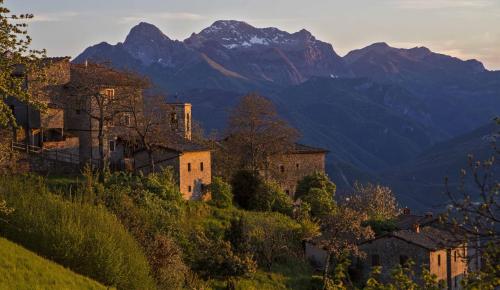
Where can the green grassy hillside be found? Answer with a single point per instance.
(22, 269)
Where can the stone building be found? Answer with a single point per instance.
(180, 119)
(417, 238)
(191, 164)
(94, 90)
(427, 246)
(44, 129)
(289, 168)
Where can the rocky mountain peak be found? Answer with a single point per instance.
(146, 32)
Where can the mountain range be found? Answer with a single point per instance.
(376, 109)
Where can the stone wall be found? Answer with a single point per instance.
(195, 174)
(390, 251)
(288, 169)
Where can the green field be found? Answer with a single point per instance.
(22, 269)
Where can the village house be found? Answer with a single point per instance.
(44, 130)
(68, 130)
(289, 168)
(190, 162)
(420, 239)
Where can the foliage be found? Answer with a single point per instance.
(17, 57)
(403, 277)
(488, 277)
(321, 202)
(296, 274)
(341, 233)
(222, 195)
(218, 259)
(149, 207)
(271, 237)
(245, 184)
(475, 213)
(375, 201)
(165, 258)
(381, 227)
(80, 236)
(270, 197)
(252, 124)
(315, 180)
(22, 269)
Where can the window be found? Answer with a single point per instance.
(403, 261)
(12, 109)
(174, 122)
(439, 260)
(282, 168)
(112, 145)
(375, 260)
(287, 192)
(109, 92)
(455, 255)
(297, 165)
(78, 111)
(189, 188)
(189, 167)
(201, 166)
(125, 120)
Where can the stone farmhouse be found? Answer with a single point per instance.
(420, 239)
(289, 168)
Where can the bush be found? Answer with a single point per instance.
(82, 237)
(316, 180)
(270, 197)
(222, 195)
(321, 202)
(271, 237)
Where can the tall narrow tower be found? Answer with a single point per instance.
(180, 119)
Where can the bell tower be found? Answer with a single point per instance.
(181, 119)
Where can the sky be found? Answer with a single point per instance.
(463, 28)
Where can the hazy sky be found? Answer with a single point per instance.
(462, 28)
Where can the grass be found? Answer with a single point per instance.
(22, 269)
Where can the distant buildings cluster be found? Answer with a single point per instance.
(68, 132)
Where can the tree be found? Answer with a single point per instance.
(341, 233)
(102, 94)
(256, 132)
(375, 201)
(16, 58)
(315, 180)
(474, 213)
(146, 123)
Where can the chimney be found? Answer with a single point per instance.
(416, 228)
(406, 211)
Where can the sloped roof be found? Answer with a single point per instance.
(301, 149)
(428, 237)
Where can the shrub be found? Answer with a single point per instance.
(321, 202)
(222, 195)
(82, 237)
(270, 197)
(316, 180)
(271, 237)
